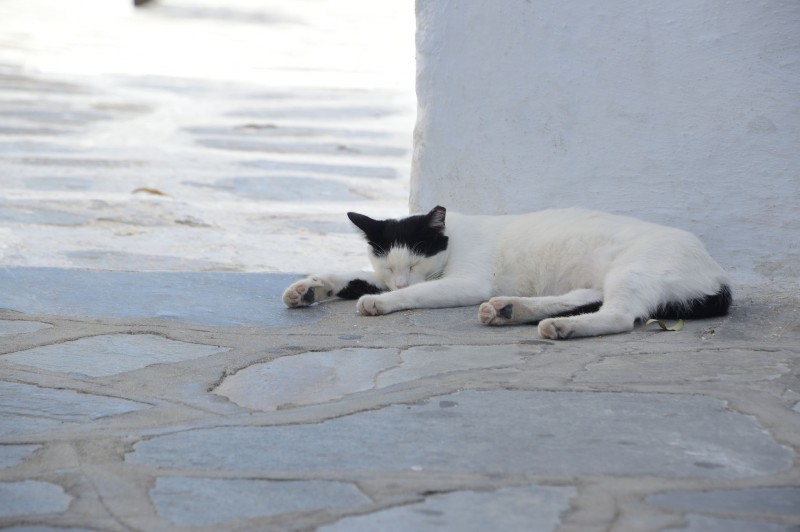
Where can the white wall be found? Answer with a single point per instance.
(684, 112)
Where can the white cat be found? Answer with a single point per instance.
(574, 272)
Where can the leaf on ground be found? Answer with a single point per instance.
(677, 327)
(150, 190)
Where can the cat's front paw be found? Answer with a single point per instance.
(304, 292)
(371, 306)
(496, 311)
(555, 329)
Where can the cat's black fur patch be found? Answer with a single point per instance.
(705, 307)
(308, 297)
(357, 288)
(506, 312)
(423, 233)
(582, 309)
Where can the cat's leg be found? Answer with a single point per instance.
(513, 310)
(604, 321)
(629, 293)
(441, 293)
(316, 288)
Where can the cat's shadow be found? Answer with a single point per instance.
(459, 318)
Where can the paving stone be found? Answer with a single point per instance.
(212, 299)
(286, 189)
(324, 227)
(27, 146)
(45, 529)
(728, 365)
(17, 82)
(26, 409)
(450, 319)
(301, 147)
(55, 116)
(346, 113)
(109, 354)
(344, 170)
(509, 509)
(121, 260)
(31, 131)
(319, 377)
(702, 523)
(784, 501)
(563, 433)
(59, 183)
(75, 162)
(11, 455)
(191, 501)
(308, 378)
(41, 216)
(10, 327)
(430, 361)
(31, 497)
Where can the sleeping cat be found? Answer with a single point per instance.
(574, 272)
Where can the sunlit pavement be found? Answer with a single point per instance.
(194, 135)
(167, 172)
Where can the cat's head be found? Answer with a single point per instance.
(406, 251)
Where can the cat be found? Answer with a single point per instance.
(575, 272)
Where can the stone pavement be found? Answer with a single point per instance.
(159, 401)
(153, 380)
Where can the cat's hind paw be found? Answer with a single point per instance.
(496, 311)
(304, 292)
(555, 329)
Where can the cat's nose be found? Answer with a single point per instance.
(401, 282)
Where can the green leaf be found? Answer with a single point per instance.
(677, 327)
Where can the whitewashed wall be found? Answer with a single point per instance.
(685, 112)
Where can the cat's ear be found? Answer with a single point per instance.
(436, 218)
(367, 225)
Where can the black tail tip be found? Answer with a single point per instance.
(711, 306)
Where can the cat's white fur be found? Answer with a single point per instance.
(542, 263)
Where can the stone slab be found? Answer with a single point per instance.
(31, 497)
(11, 327)
(510, 509)
(286, 189)
(306, 147)
(699, 365)
(780, 501)
(58, 183)
(191, 501)
(559, 433)
(40, 216)
(320, 377)
(11, 455)
(704, 523)
(451, 319)
(212, 298)
(110, 354)
(343, 170)
(27, 409)
(46, 529)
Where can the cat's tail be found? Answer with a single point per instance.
(709, 306)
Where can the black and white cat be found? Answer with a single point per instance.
(576, 272)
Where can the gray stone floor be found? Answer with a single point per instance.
(317, 418)
(152, 379)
